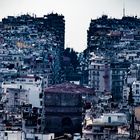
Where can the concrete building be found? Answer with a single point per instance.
(106, 127)
(21, 135)
(136, 92)
(13, 58)
(30, 83)
(99, 74)
(14, 98)
(56, 23)
(113, 118)
(105, 31)
(119, 75)
(34, 37)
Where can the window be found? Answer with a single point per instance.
(137, 86)
(40, 110)
(36, 138)
(41, 103)
(5, 133)
(40, 95)
(137, 91)
(20, 86)
(109, 119)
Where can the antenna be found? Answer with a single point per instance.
(123, 8)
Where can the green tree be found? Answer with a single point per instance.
(68, 52)
(130, 97)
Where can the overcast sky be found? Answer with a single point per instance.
(78, 14)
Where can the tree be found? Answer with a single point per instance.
(130, 97)
(68, 52)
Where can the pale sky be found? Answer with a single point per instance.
(78, 14)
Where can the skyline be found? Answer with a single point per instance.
(78, 14)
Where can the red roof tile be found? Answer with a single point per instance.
(69, 88)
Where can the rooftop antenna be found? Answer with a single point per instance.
(123, 8)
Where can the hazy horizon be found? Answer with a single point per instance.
(78, 14)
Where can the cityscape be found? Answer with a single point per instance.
(51, 91)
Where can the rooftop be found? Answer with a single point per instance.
(69, 88)
(114, 114)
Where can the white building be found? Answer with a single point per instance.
(14, 98)
(136, 91)
(126, 90)
(111, 118)
(114, 118)
(99, 128)
(8, 72)
(131, 55)
(12, 57)
(30, 83)
(99, 74)
(21, 135)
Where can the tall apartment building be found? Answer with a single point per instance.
(99, 76)
(56, 24)
(45, 36)
(110, 37)
(119, 75)
(52, 22)
(105, 31)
